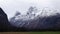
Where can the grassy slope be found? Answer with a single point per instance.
(45, 33)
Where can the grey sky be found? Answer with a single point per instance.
(11, 6)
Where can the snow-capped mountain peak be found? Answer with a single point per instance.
(20, 20)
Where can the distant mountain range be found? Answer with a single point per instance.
(46, 18)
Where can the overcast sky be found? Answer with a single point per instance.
(11, 6)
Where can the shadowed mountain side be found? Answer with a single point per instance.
(51, 23)
(4, 23)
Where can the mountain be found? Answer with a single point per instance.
(34, 19)
(5, 25)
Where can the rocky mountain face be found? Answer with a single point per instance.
(38, 20)
(4, 23)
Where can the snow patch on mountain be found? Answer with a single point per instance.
(45, 12)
